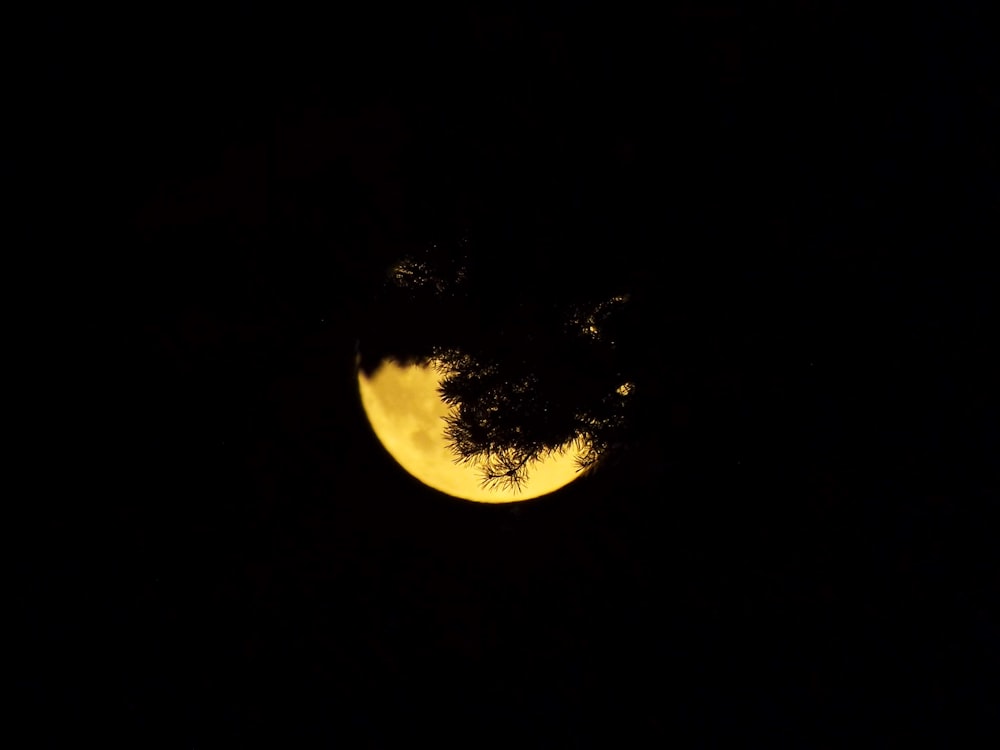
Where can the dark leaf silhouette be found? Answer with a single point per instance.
(529, 367)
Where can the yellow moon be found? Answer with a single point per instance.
(407, 415)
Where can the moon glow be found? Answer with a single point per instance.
(407, 415)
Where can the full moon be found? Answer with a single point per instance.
(407, 415)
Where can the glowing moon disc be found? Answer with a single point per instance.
(407, 415)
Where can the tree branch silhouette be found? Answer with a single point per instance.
(530, 365)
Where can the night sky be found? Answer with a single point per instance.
(214, 550)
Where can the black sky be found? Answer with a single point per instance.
(215, 550)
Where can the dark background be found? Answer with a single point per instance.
(212, 550)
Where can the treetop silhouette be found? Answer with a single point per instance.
(529, 367)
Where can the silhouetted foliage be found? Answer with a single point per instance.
(529, 366)
(509, 412)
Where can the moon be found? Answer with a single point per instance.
(407, 415)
